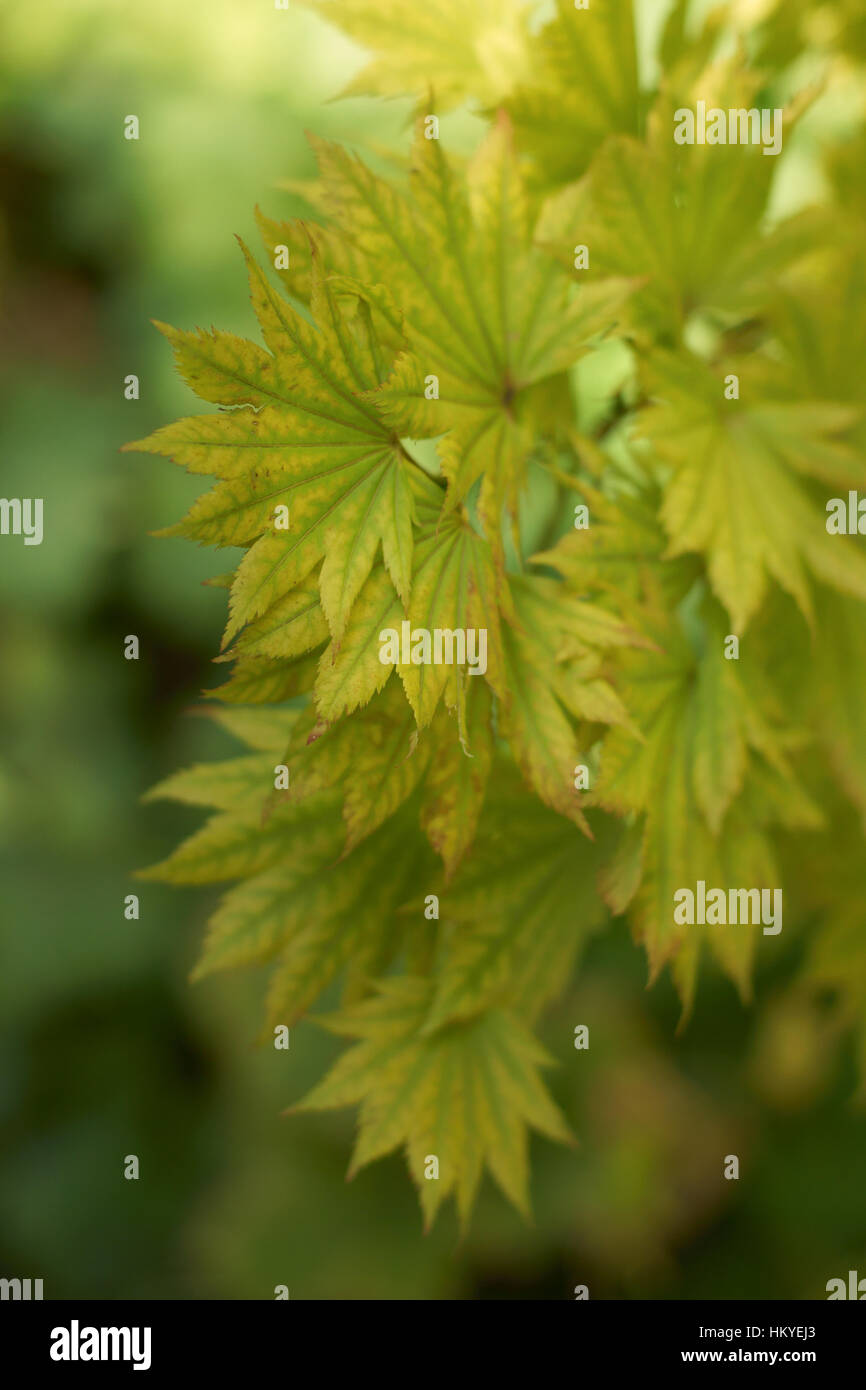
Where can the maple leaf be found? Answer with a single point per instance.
(456, 782)
(311, 445)
(435, 390)
(311, 244)
(379, 757)
(465, 1095)
(266, 682)
(735, 493)
(554, 675)
(486, 315)
(520, 911)
(622, 555)
(375, 756)
(586, 70)
(689, 220)
(338, 916)
(454, 586)
(350, 671)
(302, 905)
(479, 51)
(710, 772)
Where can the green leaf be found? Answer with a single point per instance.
(555, 676)
(485, 313)
(454, 586)
(456, 781)
(622, 554)
(466, 1095)
(233, 844)
(349, 671)
(266, 730)
(689, 219)
(696, 788)
(379, 757)
(822, 336)
(477, 52)
(313, 446)
(265, 681)
(219, 786)
(375, 756)
(585, 70)
(304, 904)
(292, 626)
(347, 916)
(735, 495)
(519, 912)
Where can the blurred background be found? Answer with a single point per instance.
(107, 1050)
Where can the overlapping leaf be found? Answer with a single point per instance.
(310, 444)
(698, 790)
(486, 315)
(554, 663)
(583, 87)
(520, 910)
(434, 310)
(621, 554)
(465, 1096)
(736, 494)
(477, 51)
(690, 220)
(300, 905)
(378, 758)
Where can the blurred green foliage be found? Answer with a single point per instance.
(106, 1049)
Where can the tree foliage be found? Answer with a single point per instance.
(413, 443)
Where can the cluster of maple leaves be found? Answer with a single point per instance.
(453, 510)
